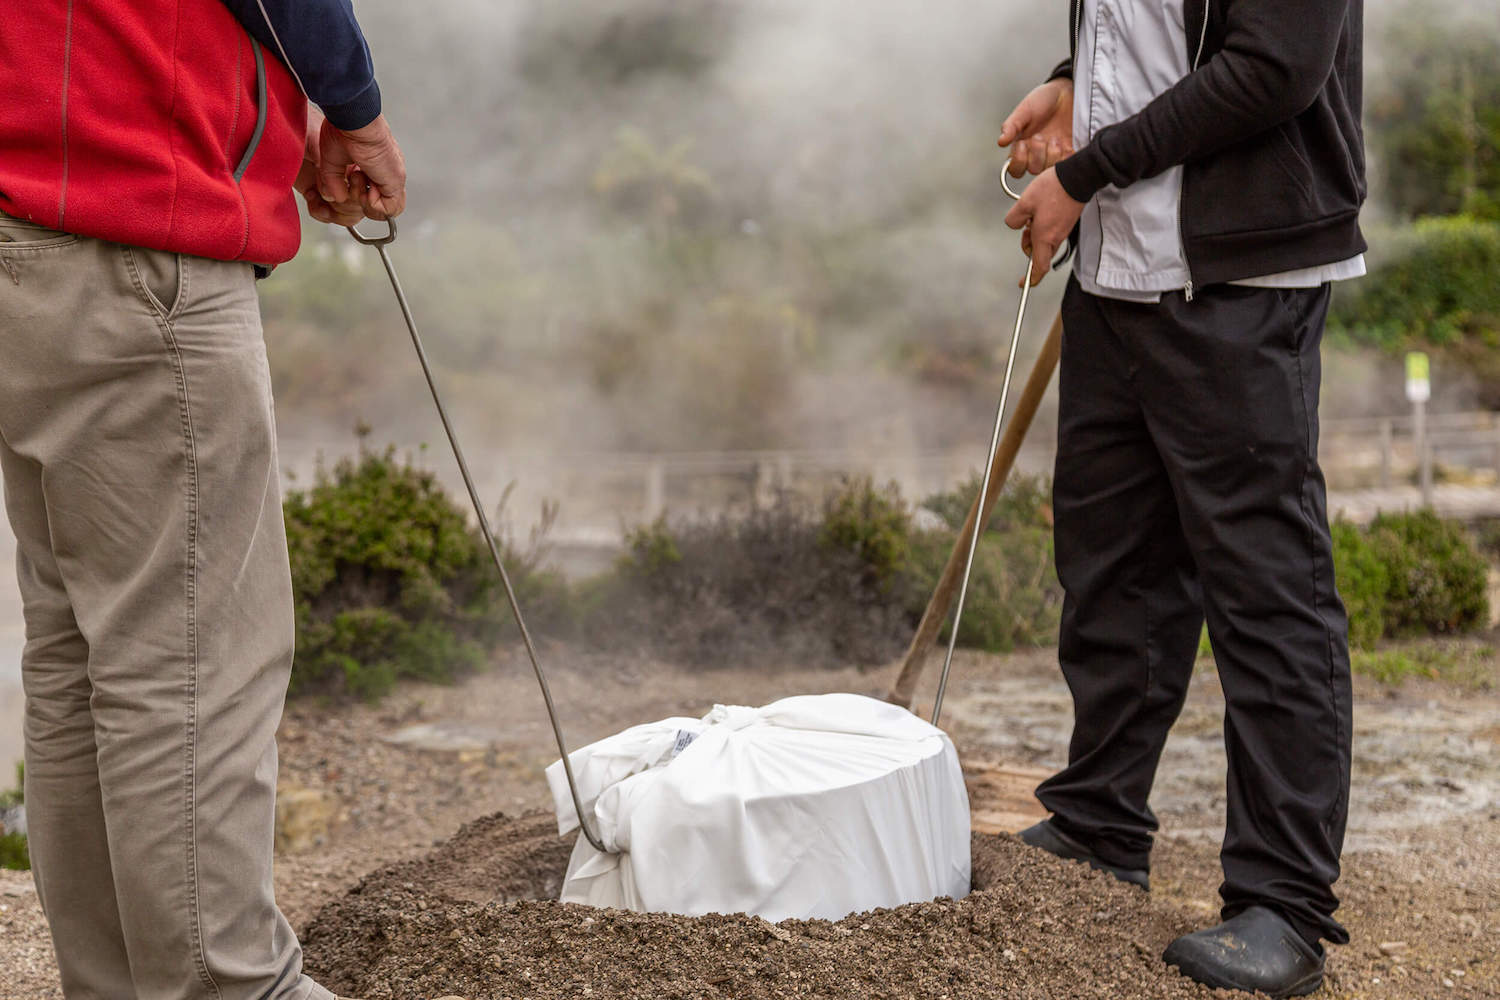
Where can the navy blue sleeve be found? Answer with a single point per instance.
(322, 44)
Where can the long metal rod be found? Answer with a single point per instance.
(380, 243)
(989, 471)
(984, 491)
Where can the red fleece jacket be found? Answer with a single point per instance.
(157, 123)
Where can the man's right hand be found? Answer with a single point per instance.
(1041, 128)
(362, 170)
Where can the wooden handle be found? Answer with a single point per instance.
(1005, 457)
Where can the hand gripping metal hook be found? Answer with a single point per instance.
(380, 243)
(989, 469)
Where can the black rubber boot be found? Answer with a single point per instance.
(1257, 950)
(1052, 840)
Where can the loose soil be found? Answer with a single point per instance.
(1037, 927)
(1421, 866)
(460, 921)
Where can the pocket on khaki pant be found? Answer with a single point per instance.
(18, 235)
(159, 274)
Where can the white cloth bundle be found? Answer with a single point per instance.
(813, 806)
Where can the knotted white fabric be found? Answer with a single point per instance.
(813, 806)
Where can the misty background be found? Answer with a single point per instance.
(681, 225)
(697, 227)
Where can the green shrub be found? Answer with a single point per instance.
(1437, 287)
(1363, 581)
(1014, 598)
(14, 851)
(1439, 582)
(1026, 501)
(388, 577)
(650, 550)
(1409, 574)
(813, 586)
(843, 584)
(872, 525)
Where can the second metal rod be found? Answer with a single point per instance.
(489, 537)
(984, 491)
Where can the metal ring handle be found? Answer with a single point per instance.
(1005, 179)
(1005, 183)
(380, 241)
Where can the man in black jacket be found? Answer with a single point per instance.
(1213, 196)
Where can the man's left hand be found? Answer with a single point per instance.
(1045, 215)
(318, 207)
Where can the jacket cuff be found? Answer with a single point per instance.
(357, 112)
(1082, 174)
(1062, 71)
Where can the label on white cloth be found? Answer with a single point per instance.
(684, 739)
(813, 806)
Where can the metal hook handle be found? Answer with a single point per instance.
(1016, 195)
(1005, 179)
(378, 241)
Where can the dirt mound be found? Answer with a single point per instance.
(459, 921)
(495, 859)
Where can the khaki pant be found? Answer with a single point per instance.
(139, 460)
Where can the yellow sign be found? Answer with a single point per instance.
(1417, 366)
(1418, 382)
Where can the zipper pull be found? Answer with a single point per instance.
(1187, 290)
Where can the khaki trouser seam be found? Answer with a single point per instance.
(163, 314)
(190, 776)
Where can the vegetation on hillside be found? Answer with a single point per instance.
(1434, 130)
(676, 267)
(392, 581)
(1434, 110)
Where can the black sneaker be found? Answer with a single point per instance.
(1257, 950)
(1052, 840)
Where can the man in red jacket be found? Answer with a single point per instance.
(149, 150)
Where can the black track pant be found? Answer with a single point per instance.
(1187, 484)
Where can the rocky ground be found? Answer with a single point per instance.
(367, 787)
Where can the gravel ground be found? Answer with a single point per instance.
(1035, 927)
(27, 968)
(1421, 865)
(1039, 927)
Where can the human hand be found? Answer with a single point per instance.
(362, 171)
(307, 180)
(1046, 214)
(1041, 127)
